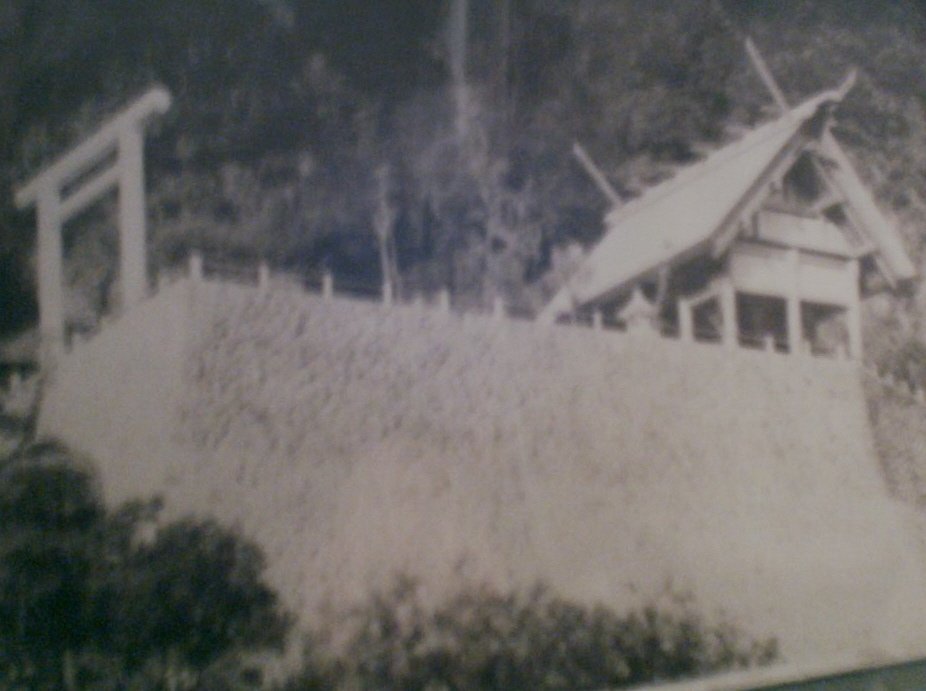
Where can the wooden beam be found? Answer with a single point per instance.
(94, 148)
(598, 177)
(765, 74)
(858, 221)
(89, 192)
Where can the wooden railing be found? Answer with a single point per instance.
(216, 268)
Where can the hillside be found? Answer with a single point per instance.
(275, 145)
(356, 442)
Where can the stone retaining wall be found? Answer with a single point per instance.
(356, 441)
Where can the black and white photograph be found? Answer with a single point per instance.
(462, 345)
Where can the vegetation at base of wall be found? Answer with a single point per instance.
(483, 639)
(92, 598)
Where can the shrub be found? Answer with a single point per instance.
(84, 602)
(482, 639)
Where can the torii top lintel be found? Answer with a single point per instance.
(155, 101)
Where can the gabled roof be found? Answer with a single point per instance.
(706, 201)
(891, 255)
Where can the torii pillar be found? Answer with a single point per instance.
(55, 203)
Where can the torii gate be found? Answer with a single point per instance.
(56, 201)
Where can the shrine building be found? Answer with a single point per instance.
(770, 242)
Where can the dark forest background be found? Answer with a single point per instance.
(299, 125)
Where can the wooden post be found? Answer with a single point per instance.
(685, 320)
(132, 231)
(498, 308)
(728, 312)
(196, 266)
(51, 275)
(263, 275)
(327, 285)
(387, 294)
(793, 304)
(443, 300)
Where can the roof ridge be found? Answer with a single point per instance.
(724, 154)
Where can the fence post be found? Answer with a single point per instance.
(443, 300)
(498, 308)
(387, 293)
(327, 285)
(196, 265)
(263, 275)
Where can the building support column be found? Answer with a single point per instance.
(685, 320)
(50, 275)
(133, 271)
(793, 305)
(728, 313)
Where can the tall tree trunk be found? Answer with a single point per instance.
(68, 671)
(457, 35)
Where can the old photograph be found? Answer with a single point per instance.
(462, 344)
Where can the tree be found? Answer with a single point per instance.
(84, 598)
(191, 596)
(49, 509)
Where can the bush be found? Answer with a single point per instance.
(906, 364)
(482, 639)
(86, 603)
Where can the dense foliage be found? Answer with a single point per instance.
(288, 111)
(91, 598)
(482, 639)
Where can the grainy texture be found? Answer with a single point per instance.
(355, 442)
